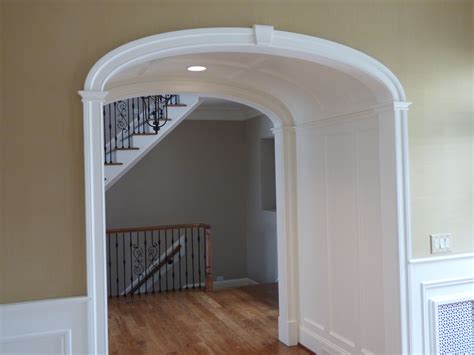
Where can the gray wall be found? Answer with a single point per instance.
(194, 175)
(205, 171)
(260, 224)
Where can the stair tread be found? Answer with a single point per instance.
(111, 164)
(129, 148)
(177, 105)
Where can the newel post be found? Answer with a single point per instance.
(209, 281)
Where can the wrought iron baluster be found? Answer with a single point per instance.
(105, 134)
(146, 263)
(116, 266)
(110, 137)
(131, 261)
(172, 246)
(159, 260)
(114, 128)
(138, 254)
(192, 254)
(124, 264)
(205, 256)
(199, 254)
(186, 254)
(130, 117)
(154, 245)
(179, 261)
(110, 266)
(166, 258)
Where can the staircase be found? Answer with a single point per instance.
(132, 127)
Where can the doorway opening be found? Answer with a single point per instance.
(191, 234)
(339, 121)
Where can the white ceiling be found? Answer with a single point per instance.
(309, 90)
(213, 109)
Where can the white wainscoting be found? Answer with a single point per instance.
(56, 326)
(341, 246)
(431, 278)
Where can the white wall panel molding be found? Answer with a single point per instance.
(437, 259)
(57, 326)
(339, 192)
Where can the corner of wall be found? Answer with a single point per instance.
(2, 162)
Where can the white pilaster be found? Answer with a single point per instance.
(392, 120)
(285, 168)
(95, 220)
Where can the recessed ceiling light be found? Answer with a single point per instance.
(196, 68)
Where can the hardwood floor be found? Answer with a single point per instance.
(230, 321)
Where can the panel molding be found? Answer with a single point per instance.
(64, 335)
(40, 326)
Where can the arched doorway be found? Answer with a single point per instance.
(355, 86)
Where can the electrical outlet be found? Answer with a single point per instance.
(219, 278)
(440, 243)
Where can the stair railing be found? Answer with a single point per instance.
(134, 116)
(158, 259)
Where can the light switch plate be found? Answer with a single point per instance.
(440, 243)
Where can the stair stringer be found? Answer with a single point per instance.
(146, 143)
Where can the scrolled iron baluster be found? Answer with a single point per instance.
(122, 121)
(138, 268)
(151, 255)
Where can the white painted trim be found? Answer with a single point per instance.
(262, 40)
(64, 334)
(232, 283)
(62, 319)
(259, 39)
(435, 259)
(52, 302)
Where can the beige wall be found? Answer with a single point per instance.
(2, 160)
(49, 46)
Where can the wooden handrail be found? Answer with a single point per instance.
(155, 269)
(164, 227)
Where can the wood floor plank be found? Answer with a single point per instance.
(230, 321)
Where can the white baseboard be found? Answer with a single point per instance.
(57, 326)
(232, 283)
(319, 344)
(288, 332)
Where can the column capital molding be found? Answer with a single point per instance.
(392, 106)
(283, 129)
(89, 96)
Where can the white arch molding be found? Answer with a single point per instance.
(392, 116)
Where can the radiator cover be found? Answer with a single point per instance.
(454, 324)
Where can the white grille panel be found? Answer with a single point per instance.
(455, 325)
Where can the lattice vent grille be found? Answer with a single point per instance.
(456, 328)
